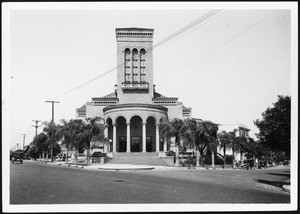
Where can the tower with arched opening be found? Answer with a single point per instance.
(132, 113)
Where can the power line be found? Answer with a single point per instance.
(192, 29)
(218, 47)
(189, 26)
(181, 31)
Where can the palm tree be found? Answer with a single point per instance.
(67, 135)
(54, 135)
(225, 141)
(241, 143)
(206, 139)
(189, 133)
(75, 127)
(174, 129)
(92, 131)
(233, 146)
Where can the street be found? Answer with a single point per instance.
(37, 183)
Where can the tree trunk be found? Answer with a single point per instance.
(224, 158)
(213, 160)
(233, 159)
(76, 156)
(88, 156)
(51, 153)
(67, 154)
(177, 156)
(242, 157)
(197, 157)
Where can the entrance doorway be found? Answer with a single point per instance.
(135, 144)
(148, 144)
(122, 144)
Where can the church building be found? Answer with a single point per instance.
(133, 111)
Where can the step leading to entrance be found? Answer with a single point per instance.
(138, 158)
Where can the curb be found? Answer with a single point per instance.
(286, 188)
(119, 169)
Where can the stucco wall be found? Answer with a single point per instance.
(175, 111)
(94, 111)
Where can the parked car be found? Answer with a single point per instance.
(286, 162)
(17, 156)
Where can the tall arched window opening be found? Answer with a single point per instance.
(127, 65)
(135, 65)
(142, 65)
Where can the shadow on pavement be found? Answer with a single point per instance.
(273, 183)
(280, 174)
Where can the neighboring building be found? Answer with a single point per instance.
(133, 111)
(239, 130)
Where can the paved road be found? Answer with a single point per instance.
(36, 183)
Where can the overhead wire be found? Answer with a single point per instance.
(218, 47)
(191, 30)
(182, 30)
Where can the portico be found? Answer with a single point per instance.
(134, 127)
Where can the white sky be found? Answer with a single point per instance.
(228, 70)
(55, 48)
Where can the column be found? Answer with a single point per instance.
(165, 144)
(157, 137)
(144, 137)
(128, 137)
(106, 137)
(114, 137)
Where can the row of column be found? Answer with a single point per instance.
(128, 137)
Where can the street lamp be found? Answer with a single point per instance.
(110, 140)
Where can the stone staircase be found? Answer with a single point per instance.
(138, 158)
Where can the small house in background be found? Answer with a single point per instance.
(238, 130)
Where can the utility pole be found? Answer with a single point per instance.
(52, 108)
(53, 102)
(36, 125)
(23, 140)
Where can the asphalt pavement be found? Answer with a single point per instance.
(40, 183)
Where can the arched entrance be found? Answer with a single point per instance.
(109, 134)
(136, 134)
(150, 135)
(121, 134)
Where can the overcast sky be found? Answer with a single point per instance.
(228, 69)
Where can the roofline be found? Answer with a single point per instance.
(134, 28)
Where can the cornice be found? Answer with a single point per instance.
(135, 105)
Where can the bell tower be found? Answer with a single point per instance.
(135, 65)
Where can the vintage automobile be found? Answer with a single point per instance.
(17, 156)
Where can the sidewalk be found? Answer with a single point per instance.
(117, 167)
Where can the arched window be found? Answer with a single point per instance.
(135, 65)
(142, 65)
(127, 65)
